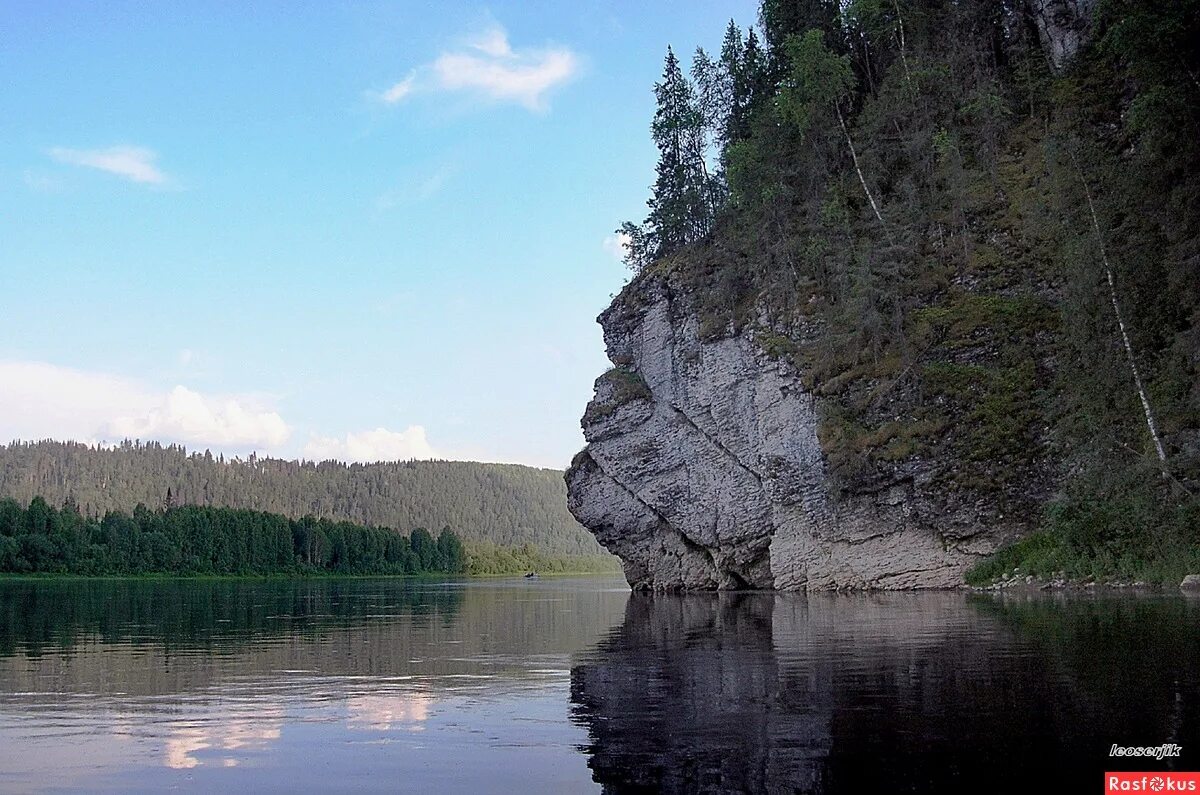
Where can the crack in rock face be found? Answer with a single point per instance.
(703, 470)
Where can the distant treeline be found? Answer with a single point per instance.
(502, 504)
(485, 558)
(193, 539)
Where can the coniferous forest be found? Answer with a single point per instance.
(192, 539)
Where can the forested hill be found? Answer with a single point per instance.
(503, 504)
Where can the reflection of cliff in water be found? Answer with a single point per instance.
(685, 696)
(929, 692)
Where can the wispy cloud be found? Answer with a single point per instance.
(399, 90)
(368, 446)
(493, 41)
(489, 67)
(417, 188)
(435, 181)
(133, 163)
(40, 182)
(381, 444)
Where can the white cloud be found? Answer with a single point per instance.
(617, 244)
(367, 446)
(523, 83)
(42, 400)
(434, 182)
(134, 163)
(494, 42)
(40, 182)
(399, 90)
(188, 416)
(491, 68)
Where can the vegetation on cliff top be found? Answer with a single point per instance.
(979, 264)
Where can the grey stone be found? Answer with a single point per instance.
(1063, 26)
(1191, 583)
(714, 478)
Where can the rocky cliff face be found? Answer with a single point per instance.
(704, 470)
(1063, 26)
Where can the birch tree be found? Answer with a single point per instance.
(820, 80)
(1131, 358)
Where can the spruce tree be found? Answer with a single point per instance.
(681, 206)
(679, 211)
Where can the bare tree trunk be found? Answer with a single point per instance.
(903, 49)
(854, 157)
(1190, 73)
(1112, 295)
(697, 152)
(862, 40)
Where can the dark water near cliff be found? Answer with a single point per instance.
(571, 685)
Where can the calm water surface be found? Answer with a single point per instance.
(575, 685)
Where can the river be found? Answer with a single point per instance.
(574, 685)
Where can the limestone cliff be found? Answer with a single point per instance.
(703, 470)
(890, 356)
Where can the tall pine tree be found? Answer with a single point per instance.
(681, 204)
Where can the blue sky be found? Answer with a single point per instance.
(360, 231)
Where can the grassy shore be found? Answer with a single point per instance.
(1047, 556)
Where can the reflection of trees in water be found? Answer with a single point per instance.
(1118, 653)
(46, 615)
(162, 637)
(884, 693)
